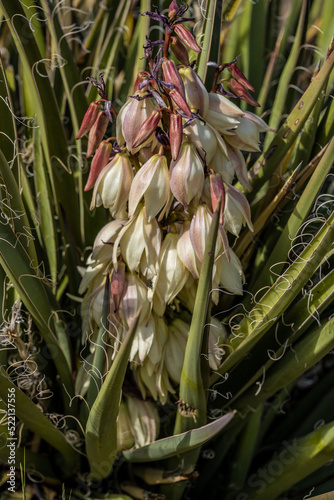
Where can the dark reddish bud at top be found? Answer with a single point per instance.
(180, 102)
(240, 77)
(172, 9)
(147, 128)
(96, 133)
(99, 161)
(179, 50)
(186, 37)
(172, 75)
(217, 192)
(175, 134)
(240, 91)
(89, 119)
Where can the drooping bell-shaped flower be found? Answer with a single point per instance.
(130, 119)
(113, 185)
(175, 348)
(151, 183)
(172, 272)
(246, 135)
(237, 211)
(203, 137)
(222, 114)
(186, 175)
(196, 94)
(140, 243)
(231, 276)
(144, 421)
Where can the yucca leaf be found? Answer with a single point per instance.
(38, 299)
(101, 430)
(296, 461)
(32, 417)
(47, 111)
(278, 297)
(308, 351)
(285, 78)
(210, 41)
(286, 135)
(283, 245)
(179, 443)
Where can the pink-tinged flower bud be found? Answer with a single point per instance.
(238, 75)
(117, 283)
(180, 102)
(148, 128)
(246, 135)
(231, 275)
(237, 211)
(196, 94)
(187, 38)
(186, 175)
(175, 134)
(89, 119)
(129, 120)
(171, 75)
(179, 50)
(100, 160)
(172, 9)
(239, 90)
(96, 133)
(217, 193)
(152, 183)
(112, 186)
(134, 296)
(172, 272)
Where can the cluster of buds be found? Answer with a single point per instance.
(177, 151)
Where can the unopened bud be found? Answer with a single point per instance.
(238, 75)
(89, 119)
(96, 133)
(180, 102)
(147, 128)
(172, 75)
(172, 9)
(99, 161)
(179, 50)
(186, 37)
(241, 92)
(175, 134)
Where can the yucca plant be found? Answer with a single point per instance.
(153, 347)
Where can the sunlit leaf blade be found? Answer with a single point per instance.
(179, 443)
(33, 418)
(304, 205)
(285, 137)
(210, 41)
(47, 111)
(310, 349)
(296, 461)
(278, 297)
(101, 431)
(288, 70)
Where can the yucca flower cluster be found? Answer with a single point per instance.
(177, 151)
